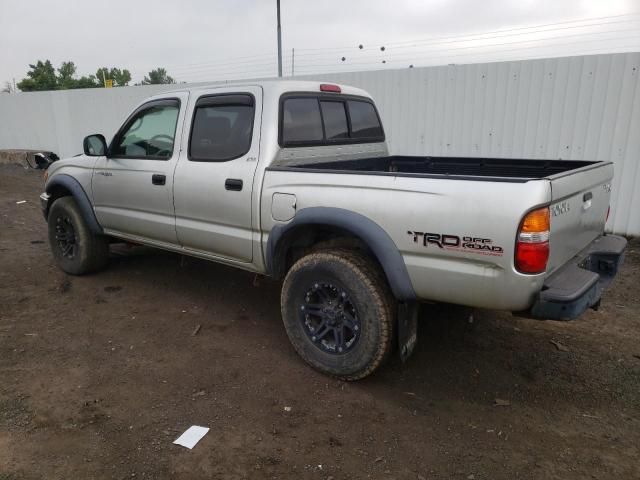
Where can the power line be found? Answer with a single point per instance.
(391, 44)
(390, 63)
(447, 53)
(505, 55)
(242, 64)
(260, 62)
(416, 56)
(508, 57)
(471, 39)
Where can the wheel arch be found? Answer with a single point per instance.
(308, 221)
(64, 185)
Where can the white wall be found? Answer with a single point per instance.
(573, 108)
(59, 120)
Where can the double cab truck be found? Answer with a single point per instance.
(294, 180)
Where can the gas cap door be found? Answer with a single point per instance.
(283, 207)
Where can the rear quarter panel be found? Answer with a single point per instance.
(407, 208)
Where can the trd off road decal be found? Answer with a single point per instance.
(483, 246)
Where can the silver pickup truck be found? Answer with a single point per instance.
(294, 180)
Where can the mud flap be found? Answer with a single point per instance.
(407, 328)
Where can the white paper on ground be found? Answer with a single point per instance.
(192, 436)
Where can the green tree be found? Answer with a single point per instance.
(67, 78)
(41, 76)
(157, 77)
(66, 72)
(119, 77)
(87, 82)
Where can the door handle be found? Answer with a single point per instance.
(158, 179)
(234, 184)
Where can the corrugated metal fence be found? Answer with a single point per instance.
(571, 108)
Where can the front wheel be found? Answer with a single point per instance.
(76, 249)
(338, 313)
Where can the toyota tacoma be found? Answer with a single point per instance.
(294, 180)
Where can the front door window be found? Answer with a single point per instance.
(150, 133)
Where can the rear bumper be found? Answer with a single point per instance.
(578, 285)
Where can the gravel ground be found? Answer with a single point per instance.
(99, 374)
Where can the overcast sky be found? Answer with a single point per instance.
(199, 40)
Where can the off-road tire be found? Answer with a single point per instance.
(369, 293)
(90, 252)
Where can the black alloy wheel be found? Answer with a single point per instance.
(66, 237)
(329, 318)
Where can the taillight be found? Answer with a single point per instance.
(532, 247)
(608, 212)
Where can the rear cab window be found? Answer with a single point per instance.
(302, 121)
(310, 119)
(364, 120)
(335, 120)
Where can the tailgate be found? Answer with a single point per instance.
(579, 205)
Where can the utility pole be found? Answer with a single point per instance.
(279, 42)
(293, 61)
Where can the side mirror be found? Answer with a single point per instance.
(45, 159)
(95, 145)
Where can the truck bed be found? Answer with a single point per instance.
(462, 168)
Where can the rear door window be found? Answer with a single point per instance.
(222, 128)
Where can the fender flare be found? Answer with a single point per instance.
(372, 234)
(79, 195)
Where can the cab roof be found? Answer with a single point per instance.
(272, 87)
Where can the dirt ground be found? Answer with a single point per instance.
(99, 374)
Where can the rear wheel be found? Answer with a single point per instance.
(76, 249)
(339, 313)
